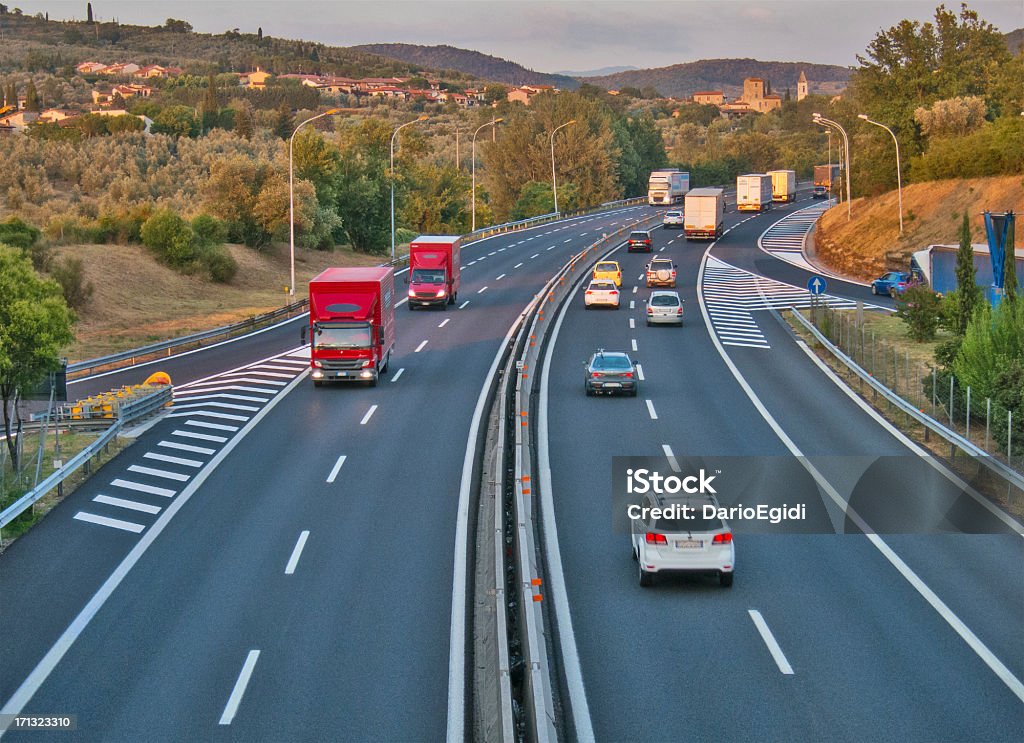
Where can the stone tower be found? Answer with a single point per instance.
(801, 86)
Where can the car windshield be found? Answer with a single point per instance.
(427, 276)
(664, 300)
(696, 523)
(611, 363)
(351, 337)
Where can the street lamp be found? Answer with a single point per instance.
(821, 120)
(899, 177)
(400, 128)
(291, 196)
(554, 179)
(492, 122)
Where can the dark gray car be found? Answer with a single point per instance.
(610, 372)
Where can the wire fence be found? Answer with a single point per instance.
(981, 420)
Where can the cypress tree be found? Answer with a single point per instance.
(32, 102)
(88, 11)
(968, 294)
(1010, 268)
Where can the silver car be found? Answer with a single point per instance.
(610, 372)
(664, 307)
(672, 218)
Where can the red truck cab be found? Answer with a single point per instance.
(351, 324)
(434, 270)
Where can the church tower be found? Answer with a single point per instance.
(801, 86)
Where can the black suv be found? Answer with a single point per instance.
(640, 240)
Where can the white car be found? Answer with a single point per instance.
(601, 293)
(672, 218)
(670, 544)
(664, 307)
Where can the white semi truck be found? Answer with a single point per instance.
(667, 187)
(705, 214)
(754, 192)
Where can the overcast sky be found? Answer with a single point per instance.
(560, 34)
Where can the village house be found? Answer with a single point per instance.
(120, 68)
(125, 91)
(88, 68)
(709, 97)
(256, 80)
(155, 70)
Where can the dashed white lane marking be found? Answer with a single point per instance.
(143, 488)
(632, 304)
(567, 241)
(463, 305)
(293, 561)
(420, 346)
(482, 290)
(397, 374)
(517, 265)
(551, 248)
(129, 504)
(173, 460)
(113, 523)
(500, 277)
(470, 264)
(231, 708)
(177, 476)
(186, 447)
(634, 290)
(633, 342)
(444, 322)
(770, 641)
(632, 323)
(534, 255)
(369, 414)
(337, 468)
(640, 372)
(492, 252)
(650, 410)
(672, 461)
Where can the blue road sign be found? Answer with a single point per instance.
(816, 285)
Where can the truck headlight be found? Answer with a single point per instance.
(317, 365)
(368, 363)
(412, 293)
(440, 293)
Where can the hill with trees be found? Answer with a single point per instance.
(474, 64)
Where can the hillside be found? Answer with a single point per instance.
(474, 64)
(870, 244)
(683, 80)
(596, 73)
(1015, 40)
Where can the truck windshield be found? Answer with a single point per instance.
(427, 276)
(352, 337)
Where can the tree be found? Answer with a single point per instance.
(259, 33)
(177, 27)
(1010, 269)
(32, 102)
(952, 117)
(211, 105)
(170, 237)
(496, 93)
(35, 324)
(535, 199)
(284, 124)
(178, 121)
(967, 297)
(361, 186)
(244, 121)
(88, 12)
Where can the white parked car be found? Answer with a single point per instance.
(673, 218)
(682, 545)
(664, 307)
(601, 293)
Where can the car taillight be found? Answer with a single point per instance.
(589, 292)
(653, 538)
(628, 375)
(595, 375)
(650, 310)
(722, 538)
(679, 311)
(615, 292)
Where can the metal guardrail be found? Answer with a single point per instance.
(128, 413)
(534, 636)
(1009, 474)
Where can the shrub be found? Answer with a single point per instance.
(18, 234)
(921, 309)
(221, 265)
(70, 274)
(170, 237)
(210, 231)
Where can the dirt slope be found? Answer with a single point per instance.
(870, 243)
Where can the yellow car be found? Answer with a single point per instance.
(608, 270)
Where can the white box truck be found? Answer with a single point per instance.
(783, 185)
(753, 192)
(666, 187)
(705, 214)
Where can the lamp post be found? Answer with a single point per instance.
(554, 178)
(821, 120)
(899, 176)
(291, 197)
(492, 122)
(395, 134)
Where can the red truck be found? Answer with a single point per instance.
(433, 271)
(351, 324)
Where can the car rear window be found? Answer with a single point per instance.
(664, 300)
(612, 363)
(601, 286)
(606, 267)
(638, 236)
(673, 214)
(697, 523)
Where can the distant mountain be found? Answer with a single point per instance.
(596, 73)
(683, 80)
(476, 64)
(1015, 40)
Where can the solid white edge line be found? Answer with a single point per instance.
(239, 690)
(337, 468)
(771, 642)
(567, 638)
(293, 561)
(987, 656)
(44, 668)
(369, 414)
(457, 637)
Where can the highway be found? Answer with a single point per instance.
(149, 619)
(857, 646)
(278, 562)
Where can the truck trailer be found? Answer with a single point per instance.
(754, 192)
(351, 324)
(825, 177)
(704, 214)
(434, 271)
(783, 185)
(667, 186)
